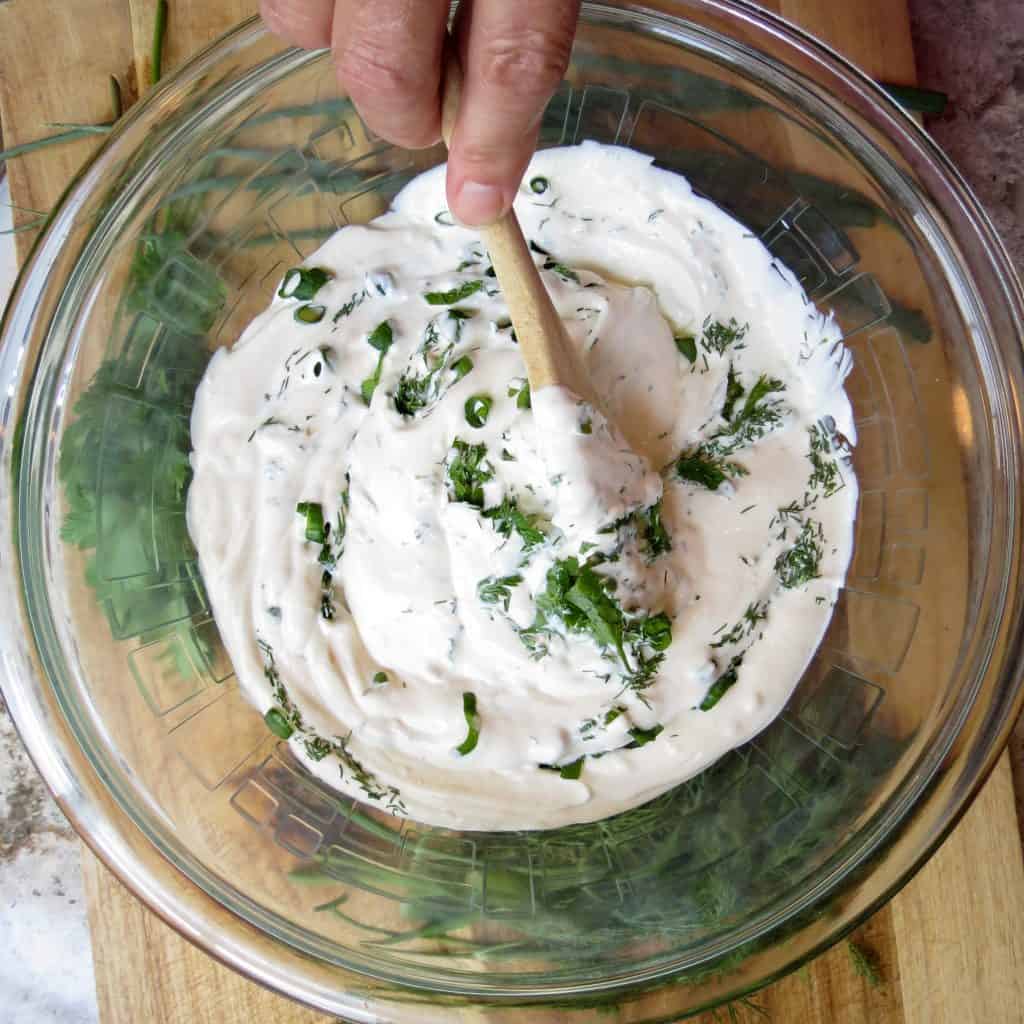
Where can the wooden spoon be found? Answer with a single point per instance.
(547, 352)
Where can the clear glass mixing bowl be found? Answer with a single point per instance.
(172, 239)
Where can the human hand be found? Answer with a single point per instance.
(388, 55)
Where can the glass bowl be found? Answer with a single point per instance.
(173, 237)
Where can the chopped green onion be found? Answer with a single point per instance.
(687, 345)
(539, 185)
(478, 408)
(641, 737)
(314, 513)
(310, 314)
(303, 283)
(461, 367)
(278, 723)
(468, 745)
(453, 295)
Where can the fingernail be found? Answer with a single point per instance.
(479, 204)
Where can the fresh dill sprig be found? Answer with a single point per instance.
(703, 465)
(756, 612)
(826, 477)
(801, 563)
(718, 337)
(498, 589)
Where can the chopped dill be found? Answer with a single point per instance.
(801, 563)
(718, 337)
(508, 517)
(498, 589)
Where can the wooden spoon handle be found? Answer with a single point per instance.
(547, 353)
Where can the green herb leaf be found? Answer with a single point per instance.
(654, 538)
(498, 589)
(571, 771)
(381, 339)
(467, 471)
(303, 283)
(508, 517)
(734, 391)
(717, 336)
(478, 409)
(380, 677)
(641, 737)
(519, 389)
(278, 723)
(802, 562)
(701, 466)
(687, 345)
(468, 745)
(539, 185)
(453, 295)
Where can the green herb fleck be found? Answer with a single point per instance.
(303, 283)
(380, 677)
(278, 724)
(563, 271)
(381, 339)
(641, 737)
(734, 391)
(801, 563)
(717, 336)
(467, 471)
(468, 745)
(722, 684)
(478, 409)
(508, 517)
(654, 538)
(702, 466)
(498, 589)
(571, 771)
(519, 389)
(539, 185)
(825, 477)
(687, 345)
(453, 295)
(314, 514)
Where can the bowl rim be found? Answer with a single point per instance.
(105, 826)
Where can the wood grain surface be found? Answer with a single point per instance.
(948, 947)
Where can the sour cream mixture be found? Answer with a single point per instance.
(490, 610)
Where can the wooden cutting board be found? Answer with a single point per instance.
(948, 947)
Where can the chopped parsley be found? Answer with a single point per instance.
(303, 283)
(577, 599)
(453, 295)
(468, 745)
(498, 589)
(381, 339)
(718, 337)
(687, 346)
(508, 517)
(467, 470)
(801, 563)
(519, 389)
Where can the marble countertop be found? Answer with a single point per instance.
(45, 954)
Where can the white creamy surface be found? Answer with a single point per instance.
(280, 419)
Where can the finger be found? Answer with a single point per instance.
(305, 23)
(514, 55)
(388, 55)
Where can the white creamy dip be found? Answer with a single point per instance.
(509, 636)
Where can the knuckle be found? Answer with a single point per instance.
(531, 61)
(372, 72)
